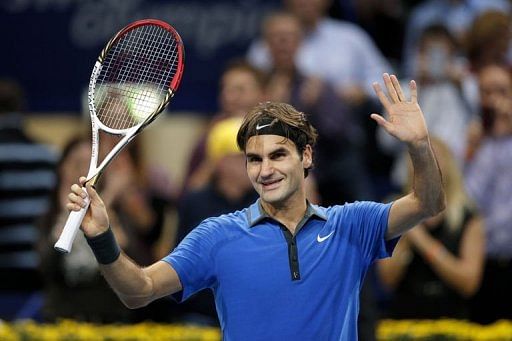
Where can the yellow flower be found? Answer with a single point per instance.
(450, 329)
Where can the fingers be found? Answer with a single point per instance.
(91, 191)
(78, 191)
(382, 122)
(77, 197)
(414, 91)
(382, 97)
(76, 201)
(398, 88)
(390, 87)
(394, 90)
(73, 207)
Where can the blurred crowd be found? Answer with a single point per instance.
(322, 57)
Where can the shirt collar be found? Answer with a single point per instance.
(256, 213)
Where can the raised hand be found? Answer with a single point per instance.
(96, 219)
(405, 119)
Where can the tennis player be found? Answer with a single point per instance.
(281, 269)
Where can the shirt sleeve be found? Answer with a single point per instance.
(192, 260)
(370, 223)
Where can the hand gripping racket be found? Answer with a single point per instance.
(133, 80)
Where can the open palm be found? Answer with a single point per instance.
(405, 120)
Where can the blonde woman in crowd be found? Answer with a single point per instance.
(438, 264)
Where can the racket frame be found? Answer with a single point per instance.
(65, 241)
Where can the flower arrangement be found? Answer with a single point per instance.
(442, 329)
(78, 331)
(387, 330)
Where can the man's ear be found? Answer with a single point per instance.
(307, 157)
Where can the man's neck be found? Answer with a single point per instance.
(288, 213)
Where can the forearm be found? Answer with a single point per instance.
(133, 286)
(452, 270)
(129, 281)
(427, 181)
(391, 270)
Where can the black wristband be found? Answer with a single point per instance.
(105, 247)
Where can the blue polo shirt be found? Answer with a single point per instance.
(272, 285)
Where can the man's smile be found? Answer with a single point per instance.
(270, 184)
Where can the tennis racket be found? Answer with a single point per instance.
(133, 80)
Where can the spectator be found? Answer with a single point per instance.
(340, 169)
(456, 15)
(136, 201)
(489, 180)
(443, 77)
(344, 56)
(74, 287)
(228, 188)
(384, 20)
(141, 194)
(27, 176)
(241, 87)
(337, 51)
(488, 39)
(438, 265)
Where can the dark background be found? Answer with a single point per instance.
(50, 46)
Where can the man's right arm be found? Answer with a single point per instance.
(137, 287)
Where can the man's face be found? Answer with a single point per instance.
(239, 92)
(276, 169)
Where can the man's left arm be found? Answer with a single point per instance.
(405, 122)
(427, 196)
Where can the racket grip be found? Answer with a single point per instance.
(68, 234)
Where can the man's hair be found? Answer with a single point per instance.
(281, 119)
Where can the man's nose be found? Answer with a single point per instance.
(266, 168)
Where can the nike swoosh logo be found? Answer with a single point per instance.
(258, 127)
(321, 239)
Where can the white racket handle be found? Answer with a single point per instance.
(68, 234)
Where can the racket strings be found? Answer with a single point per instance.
(136, 76)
